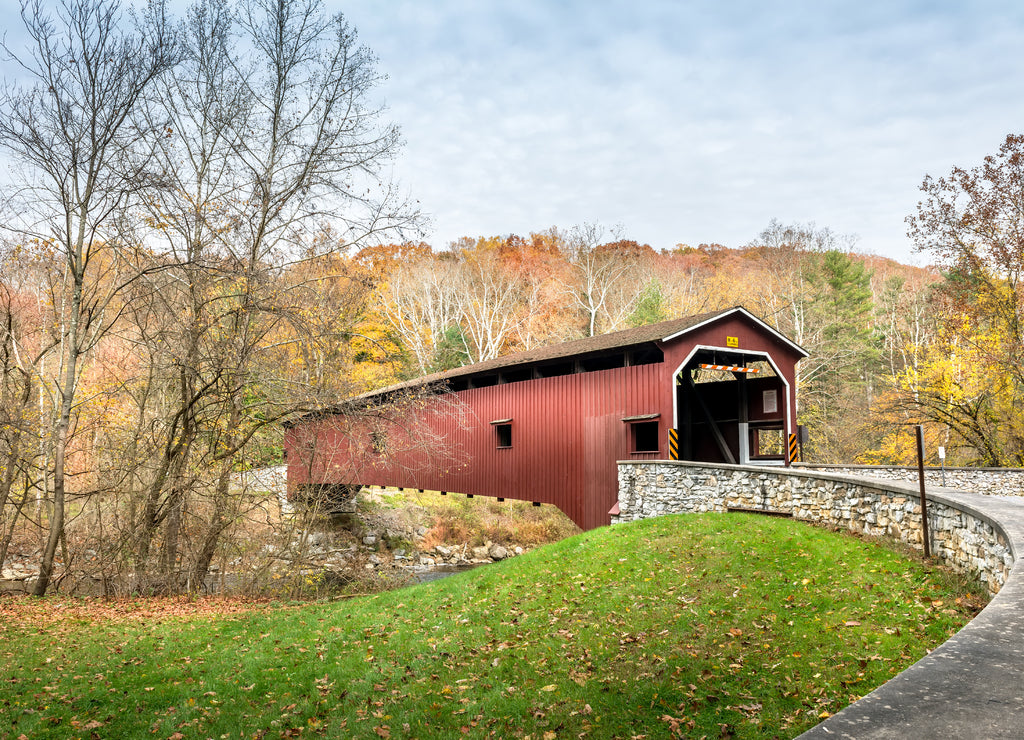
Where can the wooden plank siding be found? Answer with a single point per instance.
(567, 431)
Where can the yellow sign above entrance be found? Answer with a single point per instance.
(732, 341)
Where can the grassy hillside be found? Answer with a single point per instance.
(717, 625)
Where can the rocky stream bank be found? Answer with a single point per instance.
(375, 550)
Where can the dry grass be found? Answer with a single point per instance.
(455, 519)
(46, 613)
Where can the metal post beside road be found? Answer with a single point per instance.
(924, 503)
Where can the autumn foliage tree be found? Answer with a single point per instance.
(971, 379)
(182, 173)
(78, 130)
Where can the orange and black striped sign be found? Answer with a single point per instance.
(730, 368)
(673, 444)
(792, 448)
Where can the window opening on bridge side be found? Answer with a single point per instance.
(646, 356)
(555, 369)
(502, 433)
(516, 375)
(603, 362)
(644, 436)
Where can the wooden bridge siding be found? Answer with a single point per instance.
(567, 434)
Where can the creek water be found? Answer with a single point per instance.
(428, 573)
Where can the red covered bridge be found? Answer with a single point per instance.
(548, 425)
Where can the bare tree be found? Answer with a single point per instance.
(16, 392)
(605, 281)
(907, 322)
(793, 255)
(83, 149)
(272, 138)
(418, 301)
(492, 301)
(184, 202)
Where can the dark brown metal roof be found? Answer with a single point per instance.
(617, 340)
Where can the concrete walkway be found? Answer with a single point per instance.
(972, 686)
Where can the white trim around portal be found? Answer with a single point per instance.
(787, 421)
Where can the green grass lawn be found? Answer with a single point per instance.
(716, 625)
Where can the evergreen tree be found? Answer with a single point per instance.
(650, 306)
(450, 351)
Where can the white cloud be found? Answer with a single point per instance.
(691, 121)
(694, 122)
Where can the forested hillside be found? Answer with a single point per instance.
(195, 370)
(200, 243)
(193, 373)
(864, 319)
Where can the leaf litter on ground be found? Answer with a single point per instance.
(687, 626)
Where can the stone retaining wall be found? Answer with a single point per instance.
(999, 481)
(964, 537)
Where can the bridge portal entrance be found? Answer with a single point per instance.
(731, 406)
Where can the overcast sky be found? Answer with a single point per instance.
(691, 121)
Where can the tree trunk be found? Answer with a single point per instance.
(218, 523)
(12, 467)
(8, 535)
(67, 392)
(172, 532)
(56, 524)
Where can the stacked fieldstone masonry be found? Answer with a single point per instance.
(966, 539)
(998, 481)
